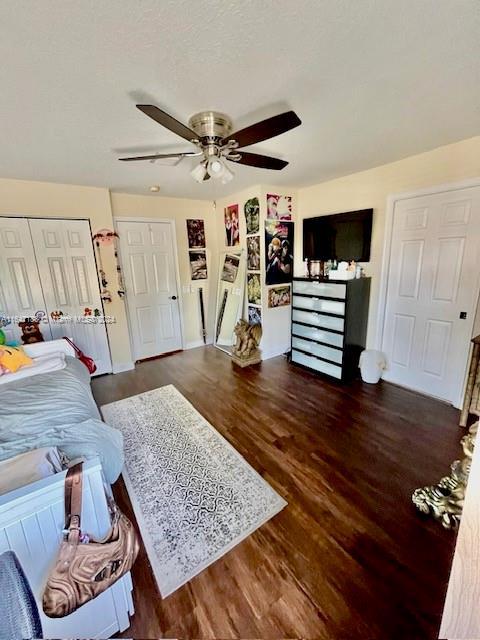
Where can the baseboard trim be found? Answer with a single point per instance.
(197, 343)
(120, 367)
(274, 353)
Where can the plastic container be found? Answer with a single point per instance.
(372, 364)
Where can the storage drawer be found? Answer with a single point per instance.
(318, 304)
(318, 365)
(326, 289)
(317, 334)
(318, 319)
(316, 349)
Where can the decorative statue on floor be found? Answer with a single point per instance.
(445, 499)
(246, 351)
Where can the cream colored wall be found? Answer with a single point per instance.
(48, 200)
(179, 209)
(451, 163)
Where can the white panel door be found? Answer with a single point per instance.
(20, 288)
(432, 291)
(147, 253)
(66, 263)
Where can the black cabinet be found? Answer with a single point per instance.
(329, 324)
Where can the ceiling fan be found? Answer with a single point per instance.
(211, 133)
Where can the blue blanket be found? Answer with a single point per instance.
(58, 409)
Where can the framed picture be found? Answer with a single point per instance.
(232, 227)
(251, 208)
(198, 265)
(230, 268)
(279, 207)
(279, 297)
(278, 251)
(254, 315)
(196, 234)
(253, 253)
(254, 288)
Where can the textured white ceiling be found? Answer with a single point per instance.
(372, 80)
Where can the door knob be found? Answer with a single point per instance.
(173, 297)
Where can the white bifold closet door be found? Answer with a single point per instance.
(20, 289)
(53, 269)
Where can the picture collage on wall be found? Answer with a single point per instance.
(251, 209)
(197, 257)
(279, 207)
(232, 225)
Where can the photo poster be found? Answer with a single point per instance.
(279, 237)
(230, 268)
(198, 265)
(254, 315)
(251, 209)
(279, 207)
(279, 297)
(253, 253)
(196, 234)
(232, 226)
(254, 288)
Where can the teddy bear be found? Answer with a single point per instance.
(30, 331)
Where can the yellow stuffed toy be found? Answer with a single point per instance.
(12, 358)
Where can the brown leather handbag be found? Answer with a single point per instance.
(86, 567)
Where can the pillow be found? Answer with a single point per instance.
(44, 364)
(29, 467)
(12, 358)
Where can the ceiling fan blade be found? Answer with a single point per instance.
(167, 121)
(265, 129)
(157, 156)
(262, 162)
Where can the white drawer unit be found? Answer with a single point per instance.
(319, 335)
(319, 304)
(318, 320)
(329, 325)
(323, 289)
(316, 363)
(320, 350)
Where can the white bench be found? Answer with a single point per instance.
(31, 523)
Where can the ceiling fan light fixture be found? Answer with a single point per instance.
(199, 172)
(215, 168)
(227, 174)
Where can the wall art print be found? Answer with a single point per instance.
(254, 315)
(232, 227)
(254, 288)
(198, 265)
(230, 268)
(253, 253)
(196, 234)
(279, 207)
(278, 251)
(251, 208)
(279, 297)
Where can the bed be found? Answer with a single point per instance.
(58, 409)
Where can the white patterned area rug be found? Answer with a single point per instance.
(194, 496)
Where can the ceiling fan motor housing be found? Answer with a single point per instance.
(211, 125)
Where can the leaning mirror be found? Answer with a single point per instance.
(230, 291)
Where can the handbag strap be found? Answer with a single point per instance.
(73, 497)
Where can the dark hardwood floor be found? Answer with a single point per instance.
(349, 557)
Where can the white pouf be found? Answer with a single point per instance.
(372, 364)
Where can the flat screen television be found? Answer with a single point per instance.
(343, 236)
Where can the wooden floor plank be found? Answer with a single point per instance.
(349, 557)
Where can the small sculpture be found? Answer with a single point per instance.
(445, 499)
(246, 351)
